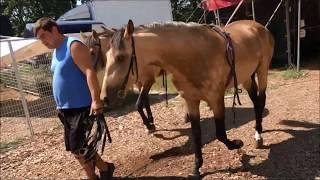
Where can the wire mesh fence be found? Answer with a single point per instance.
(26, 89)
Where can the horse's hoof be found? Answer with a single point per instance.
(235, 144)
(195, 176)
(151, 128)
(259, 143)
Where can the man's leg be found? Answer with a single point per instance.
(88, 167)
(100, 164)
(106, 169)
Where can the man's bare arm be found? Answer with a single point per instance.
(82, 59)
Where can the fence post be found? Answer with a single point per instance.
(23, 99)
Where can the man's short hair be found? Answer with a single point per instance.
(46, 24)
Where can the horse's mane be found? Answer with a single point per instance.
(116, 41)
(171, 24)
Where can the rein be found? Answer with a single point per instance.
(231, 62)
(133, 62)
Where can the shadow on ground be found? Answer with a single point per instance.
(243, 116)
(295, 158)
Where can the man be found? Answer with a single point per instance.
(76, 92)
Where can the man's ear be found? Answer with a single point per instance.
(129, 29)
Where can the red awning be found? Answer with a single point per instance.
(211, 5)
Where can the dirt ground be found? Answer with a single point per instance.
(291, 140)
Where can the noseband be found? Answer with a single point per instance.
(133, 64)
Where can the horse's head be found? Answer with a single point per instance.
(121, 64)
(98, 44)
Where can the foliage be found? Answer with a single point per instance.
(292, 73)
(159, 86)
(7, 146)
(182, 10)
(28, 11)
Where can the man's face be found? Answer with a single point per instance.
(47, 38)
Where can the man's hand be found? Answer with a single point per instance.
(96, 107)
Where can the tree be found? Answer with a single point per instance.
(21, 12)
(184, 10)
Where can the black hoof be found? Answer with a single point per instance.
(151, 128)
(259, 143)
(235, 144)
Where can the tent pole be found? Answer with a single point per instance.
(273, 14)
(253, 12)
(298, 44)
(218, 15)
(234, 12)
(288, 32)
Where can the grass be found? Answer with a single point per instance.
(7, 146)
(158, 85)
(292, 73)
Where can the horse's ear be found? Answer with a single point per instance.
(94, 33)
(82, 35)
(106, 31)
(129, 29)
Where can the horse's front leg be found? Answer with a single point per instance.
(193, 116)
(142, 101)
(148, 109)
(219, 118)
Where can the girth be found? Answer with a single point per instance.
(230, 57)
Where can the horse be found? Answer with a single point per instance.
(98, 44)
(196, 57)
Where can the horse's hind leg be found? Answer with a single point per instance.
(193, 116)
(258, 97)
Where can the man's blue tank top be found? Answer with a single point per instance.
(70, 88)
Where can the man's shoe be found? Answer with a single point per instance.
(108, 174)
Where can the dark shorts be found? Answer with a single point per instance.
(75, 122)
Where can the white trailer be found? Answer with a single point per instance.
(116, 13)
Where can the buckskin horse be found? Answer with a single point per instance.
(98, 44)
(196, 56)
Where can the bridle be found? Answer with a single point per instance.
(133, 64)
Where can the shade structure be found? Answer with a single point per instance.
(211, 5)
